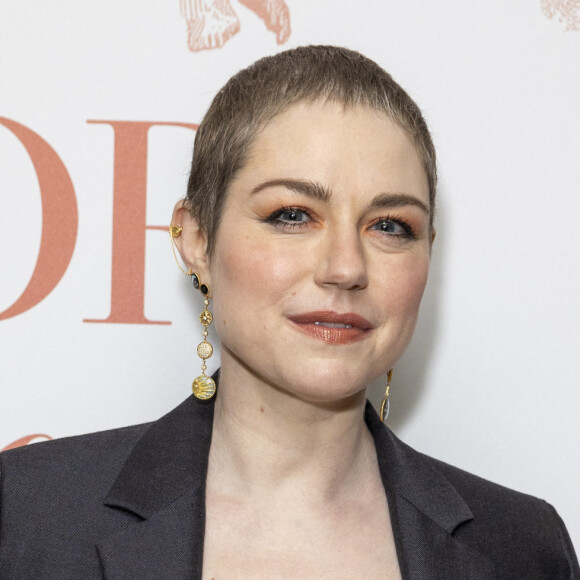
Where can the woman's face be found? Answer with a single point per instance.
(322, 252)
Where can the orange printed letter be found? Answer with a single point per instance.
(59, 219)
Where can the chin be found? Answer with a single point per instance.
(315, 379)
(324, 382)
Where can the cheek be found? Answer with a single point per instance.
(406, 285)
(248, 276)
(262, 267)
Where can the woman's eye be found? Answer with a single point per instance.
(289, 217)
(393, 228)
(293, 216)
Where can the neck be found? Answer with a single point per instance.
(266, 440)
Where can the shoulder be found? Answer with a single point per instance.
(475, 488)
(78, 457)
(518, 535)
(488, 500)
(514, 528)
(82, 467)
(51, 501)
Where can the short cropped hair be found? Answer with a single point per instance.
(258, 93)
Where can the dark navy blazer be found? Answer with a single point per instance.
(130, 504)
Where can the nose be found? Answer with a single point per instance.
(342, 262)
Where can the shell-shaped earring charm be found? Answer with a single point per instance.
(203, 387)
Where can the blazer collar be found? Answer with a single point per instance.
(425, 511)
(409, 474)
(167, 462)
(162, 484)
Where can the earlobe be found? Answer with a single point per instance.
(191, 241)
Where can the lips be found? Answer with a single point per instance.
(332, 327)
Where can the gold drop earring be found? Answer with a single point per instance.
(203, 387)
(385, 405)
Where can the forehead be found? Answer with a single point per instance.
(341, 147)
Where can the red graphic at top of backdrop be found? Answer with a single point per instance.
(211, 23)
(567, 11)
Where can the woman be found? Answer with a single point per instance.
(308, 227)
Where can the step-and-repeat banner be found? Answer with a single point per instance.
(99, 103)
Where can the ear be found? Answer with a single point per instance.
(192, 242)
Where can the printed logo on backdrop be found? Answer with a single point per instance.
(566, 11)
(211, 23)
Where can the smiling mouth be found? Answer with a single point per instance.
(332, 327)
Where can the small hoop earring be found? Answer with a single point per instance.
(385, 405)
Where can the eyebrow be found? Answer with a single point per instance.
(391, 200)
(308, 188)
(321, 193)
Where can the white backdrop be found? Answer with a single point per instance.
(490, 382)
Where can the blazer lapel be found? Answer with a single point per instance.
(169, 544)
(426, 550)
(425, 511)
(161, 491)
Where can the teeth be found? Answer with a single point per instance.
(333, 325)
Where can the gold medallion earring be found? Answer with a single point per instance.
(385, 405)
(203, 387)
